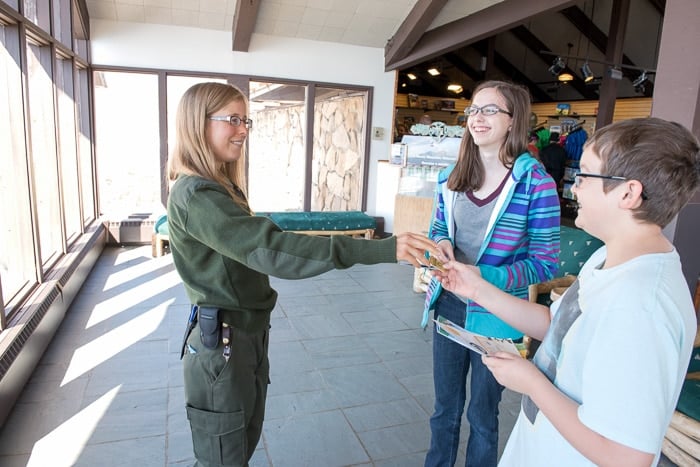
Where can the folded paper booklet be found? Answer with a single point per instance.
(476, 342)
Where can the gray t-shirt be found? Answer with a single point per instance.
(472, 216)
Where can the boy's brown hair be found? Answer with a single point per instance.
(663, 156)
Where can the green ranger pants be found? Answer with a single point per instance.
(225, 401)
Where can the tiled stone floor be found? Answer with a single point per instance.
(351, 374)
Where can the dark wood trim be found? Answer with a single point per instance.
(82, 18)
(481, 25)
(513, 73)
(412, 28)
(660, 5)
(616, 39)
(244, 23)
(309, 143)
(455, 60)
(163, 136)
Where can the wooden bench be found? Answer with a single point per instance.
(353, 223)
(160, 240)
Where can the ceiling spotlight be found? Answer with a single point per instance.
(557, 66)
(433, 71)
(455, 88)
(615, 73)
(587, 73)
(565, 77)
(639, 82)
(411, 76)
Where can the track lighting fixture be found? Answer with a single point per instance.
(588, 75)
(614, 70)
(557, 66)
(455, 88)
(565, 77)
(615, 73)
(639, 82)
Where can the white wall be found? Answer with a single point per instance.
(193, 49)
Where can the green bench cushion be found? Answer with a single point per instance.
(161, 225)
(324, 221)
(576, 247)
(315, 220)
(689, 400)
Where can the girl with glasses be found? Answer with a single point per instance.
(497, 209)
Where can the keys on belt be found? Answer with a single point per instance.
(226, 340)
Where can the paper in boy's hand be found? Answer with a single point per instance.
(481, 344)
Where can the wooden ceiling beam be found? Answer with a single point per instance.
(455, 60)
(412, 28)
(660, 5)
(480, 25)
(244, 23)
(514, 73)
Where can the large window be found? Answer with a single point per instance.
(43, 150)
(46, 181)
(17, 269)
(127, 141)
(68, 146)
(86, 166)
(276, 156)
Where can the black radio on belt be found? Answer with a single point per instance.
(209, 327)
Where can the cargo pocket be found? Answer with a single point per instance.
(218, 438)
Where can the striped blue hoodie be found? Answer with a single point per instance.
(521, 246)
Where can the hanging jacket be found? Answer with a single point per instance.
(521, 244)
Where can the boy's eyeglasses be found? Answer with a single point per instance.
(234, 120)
(486, 110)
(581, 175)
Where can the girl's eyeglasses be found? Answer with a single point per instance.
(486, 110)
(234, 120)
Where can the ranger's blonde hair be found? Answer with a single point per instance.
(191, 154)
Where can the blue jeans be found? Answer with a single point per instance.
(451, 363)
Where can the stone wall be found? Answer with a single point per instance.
(338, 154)
(278, 160)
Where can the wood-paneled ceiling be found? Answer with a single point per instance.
(468, 41)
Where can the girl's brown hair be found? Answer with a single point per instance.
(468, 173)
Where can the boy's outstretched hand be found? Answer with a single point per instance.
(512, 371)
(411, 247)
(459, 278)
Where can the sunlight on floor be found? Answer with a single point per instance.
(63, 445)
(111, 343)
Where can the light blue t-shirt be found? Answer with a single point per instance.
(619, 345)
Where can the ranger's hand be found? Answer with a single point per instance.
(411, 247)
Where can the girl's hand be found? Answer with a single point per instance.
(513, 371)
